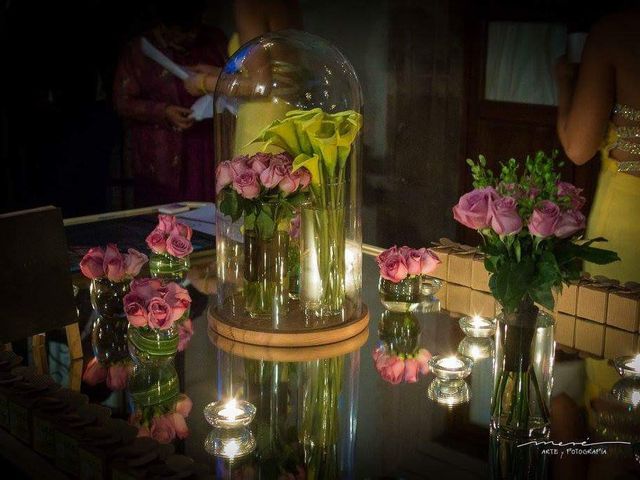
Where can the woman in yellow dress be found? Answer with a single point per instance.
(599, 109)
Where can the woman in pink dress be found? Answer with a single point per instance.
(171, 155)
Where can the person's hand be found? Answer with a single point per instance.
(565, 70)
(178, 117)
(196, 84)
(204, 68)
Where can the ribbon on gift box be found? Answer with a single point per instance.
(610, 284)
(454, 247)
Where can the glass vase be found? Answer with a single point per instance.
(152, 345)
(400, 332)
(403, 296)
(106, 297)
(523, 370)
(154, 385)
(168, 267)
(266, 277)
(109, 339)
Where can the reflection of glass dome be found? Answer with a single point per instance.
(288, 233)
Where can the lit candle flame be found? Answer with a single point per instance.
(451, 363)
(230, 411)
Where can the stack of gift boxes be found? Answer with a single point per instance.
(595, 316)
(78, 438)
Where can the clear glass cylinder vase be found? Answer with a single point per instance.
(153, 345)
(400, 332)
(109, 339)
(402, 296)
(523, 375)
(168, 267)
(294, 95)
(106, 297)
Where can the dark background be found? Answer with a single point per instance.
(422, 69)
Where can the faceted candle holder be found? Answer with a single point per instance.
(476, 348)
(430, 285)
(230, 444)
(450, 367)
(628, 365)
(449, 392)
(477, 326)
(230, 414)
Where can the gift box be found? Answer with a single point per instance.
(619, 342)
(565, 329)
(458, 299)
(482, 304)
(459, 271)
(589, 336)
(442, 268)
(479, 274)
(592, 303)
(567, 300)
(623, 311)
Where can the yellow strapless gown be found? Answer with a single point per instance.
(615, 215)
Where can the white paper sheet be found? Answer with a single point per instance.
(201, 219)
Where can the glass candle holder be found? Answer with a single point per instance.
(230, 414)
(476, 348)
(449, 392)
(477, 326)
(450, 367)
(628, 365)
(430, 285)
(230, 444)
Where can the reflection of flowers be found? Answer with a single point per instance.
(115, 375)
(396, 368)
(185, 331)
(164, 422)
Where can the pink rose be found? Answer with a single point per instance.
(289, 183)
(413, 260)
(159, 313)
(145, 288)
(472, 209)
(393, 370)
(274, 174)
(113, 263)
(134, 307)
(239, 165)
(411, 368)
(505, 219)
(428, 261)
(182, 230)
(224, 175)
(133, 262)
(303, 175)
(423, 356)
(92, 263)
(544, 219)
(156, 241)
(404, 251)
(163, 429)
(283, 158)
(246, 184)
(185, 332)
(178, 246)
(117, 377)
(179, 425)
(183, 406)
(384, 255)
(259, 162)
(570, 222)
(394, 268)
(94, 373)
(566, 189)
(178, 299)
(166, 223)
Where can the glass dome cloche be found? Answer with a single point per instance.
(288, 129)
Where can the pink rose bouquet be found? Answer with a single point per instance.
(397, 367)
(111, 264)
(170, 237)
(396, 264)
(150, 303)
(164, 422)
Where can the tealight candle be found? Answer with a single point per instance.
(450, 367)
(451, 363)
(231, 414)
(477, 326)
(476, 348)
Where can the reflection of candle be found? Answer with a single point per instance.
(452, 363)
(634, 364)
(230, 410)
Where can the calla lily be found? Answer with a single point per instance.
(325, 143)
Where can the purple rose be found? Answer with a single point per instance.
(274, 174)
(134, 307)
(224, 175)
(159, 313)
(414, 262)
(472, 209)
(566, 189)
(505, 219)
(259, 162)
(544, 219)
(383, 256)
(570, 222)
(156, 241)
(178, 246)
(239, 165)
(289, 183)
(246, 184)
(92, 264)
(113, 263)
(428, 261)
(394, 268)
(133, 262)
(304, 176)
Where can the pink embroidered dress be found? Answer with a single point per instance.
(168, 165)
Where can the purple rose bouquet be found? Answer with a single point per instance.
(531, 226)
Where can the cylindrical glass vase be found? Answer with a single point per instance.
(168, 267)
(152, 345)
(294, 94)
(106, 297)
(523, 379)
(402, 296)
